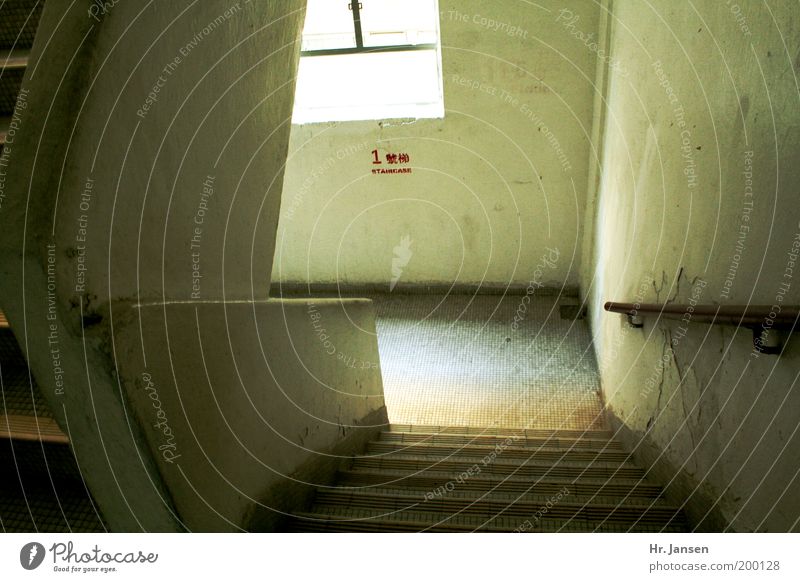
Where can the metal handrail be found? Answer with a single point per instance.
(761, 319)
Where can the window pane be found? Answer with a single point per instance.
(394, 22)
(329, 25)
(369, 86)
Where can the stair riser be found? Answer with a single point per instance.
(386, 449)
(401, 527)
(523, 499)
(502, 433)
(521, 510)
(36, 463)
(561, 443)
(429, 484)
(519, 471)
(370, 521)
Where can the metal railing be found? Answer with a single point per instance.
(761, 319)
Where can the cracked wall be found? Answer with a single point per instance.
(697, 203)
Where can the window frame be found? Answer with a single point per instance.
(355, 7)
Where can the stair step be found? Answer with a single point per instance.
(533, 497)
(565, 442)
(381, 448)
(333, 519)
(431, 480)
(520, 468)
(434, 478)
(503, 432)
(564, 508)
(31, 428)
(3, 320)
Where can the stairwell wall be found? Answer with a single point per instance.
(697, 203)
(497, 184)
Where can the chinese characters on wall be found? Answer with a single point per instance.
(389, 163)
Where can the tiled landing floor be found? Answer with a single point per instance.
(457, 361)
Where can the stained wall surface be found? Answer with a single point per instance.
(496, 184)
(698, 204)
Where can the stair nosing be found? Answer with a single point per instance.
(580, 442)
(488, 448)
(14, 59)
(496, 432)
(31, 428)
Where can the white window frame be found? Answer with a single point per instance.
(428, 109)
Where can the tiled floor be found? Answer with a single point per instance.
(458, 361)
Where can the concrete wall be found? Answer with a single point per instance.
(147, 169)
(698, 203)
(251, 405)
(497, 182)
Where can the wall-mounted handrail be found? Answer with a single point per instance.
(761, 319)
(744, 315)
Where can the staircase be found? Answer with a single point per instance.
(41, 489)
(454, 479)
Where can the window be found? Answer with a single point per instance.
(375, 59)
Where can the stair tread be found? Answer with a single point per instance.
(488, 477)
(403, 483)
(472, 431)
(518, 440)
(375, 446)
(14, 59)
(418, 466)
(364, 520)
(420, 500)
(450, 508)
(32, 428)
(525, 498)
(435, 459)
